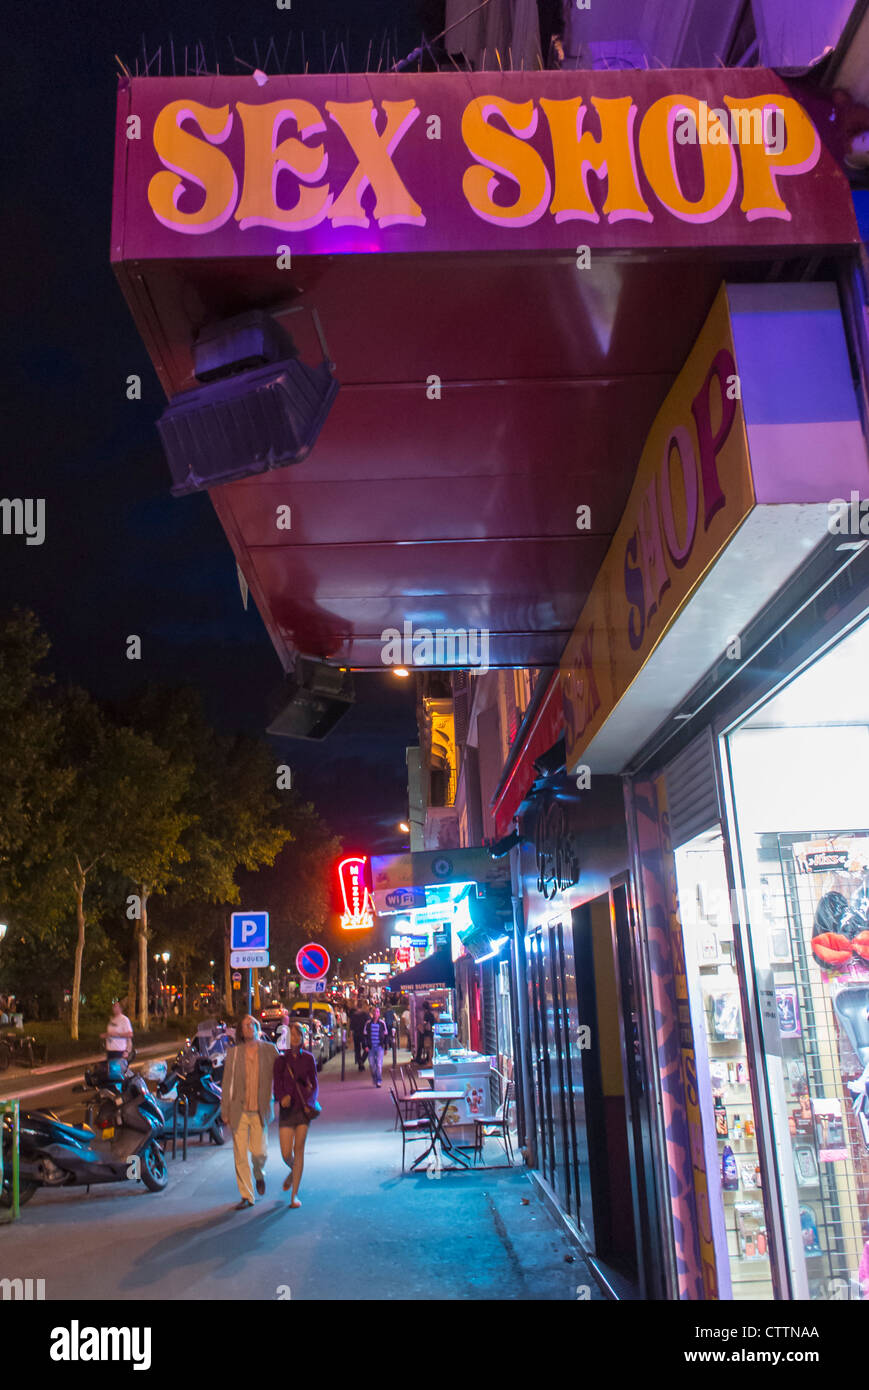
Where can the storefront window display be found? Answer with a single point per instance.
(504, 1011)
(800, 766)
(740, 1234)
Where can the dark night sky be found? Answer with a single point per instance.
(121, 555)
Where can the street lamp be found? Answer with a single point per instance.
(3, 930)
(164, 957)
(404, 827)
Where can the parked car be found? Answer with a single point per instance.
(326, 1015)
(270, 1019)
(316, 1040)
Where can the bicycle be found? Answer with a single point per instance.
(22, 1049)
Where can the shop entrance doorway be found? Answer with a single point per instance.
(581, 1093)
(605, 1088)
(555, 1021)
(640, 1099)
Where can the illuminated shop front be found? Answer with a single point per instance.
(773, 910)
(459, 899)
(746, 814)
(798, 771)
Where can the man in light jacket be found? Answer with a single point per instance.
(247, 1106)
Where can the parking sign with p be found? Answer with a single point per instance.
(249, 931)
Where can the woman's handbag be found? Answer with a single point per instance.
(313, 1108)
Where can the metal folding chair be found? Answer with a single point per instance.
(500, 1122)
(411, 1129)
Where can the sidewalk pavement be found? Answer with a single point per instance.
(363, 1232)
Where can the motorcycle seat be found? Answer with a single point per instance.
(81, 1131)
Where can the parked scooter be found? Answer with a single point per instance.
(188, 1085)
(104, 1076)
(213, 1042)
(124, 1146)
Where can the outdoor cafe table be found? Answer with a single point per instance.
(439, 1136)
(427, 1075)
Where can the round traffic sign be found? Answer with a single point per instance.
(312, 962)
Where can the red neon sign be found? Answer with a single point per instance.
(358, 909)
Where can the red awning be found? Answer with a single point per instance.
(545, 729)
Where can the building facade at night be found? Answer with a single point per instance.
(672, 879)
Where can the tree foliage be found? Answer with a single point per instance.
(142, 803)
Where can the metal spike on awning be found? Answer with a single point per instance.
(243, 586)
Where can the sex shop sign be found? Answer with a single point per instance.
(727, 500)
(372, 163)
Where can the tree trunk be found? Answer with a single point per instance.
(227, 975)
(130, 1005)
(184, 990)
(79, 884)
(142, 1019)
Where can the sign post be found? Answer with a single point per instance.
(249, 936)
(312, 963)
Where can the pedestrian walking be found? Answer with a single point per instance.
(376, 1036)
(246, 1106)
(405, 1023)
(390, 1018)
(425, 1035)
(358, 1020)
(296, 1090)
(118, 1037)
(282, 1036)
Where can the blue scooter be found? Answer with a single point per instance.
(122, 1148)
(188, 1091)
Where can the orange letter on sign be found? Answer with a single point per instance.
(358, 120)
(657, 153)
(506, 155)
(761, 167)
(611, 157)
(265, 159)
(198, 162)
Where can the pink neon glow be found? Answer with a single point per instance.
(358, 908)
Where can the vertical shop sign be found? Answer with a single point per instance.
(657, 872)
(692, 490)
